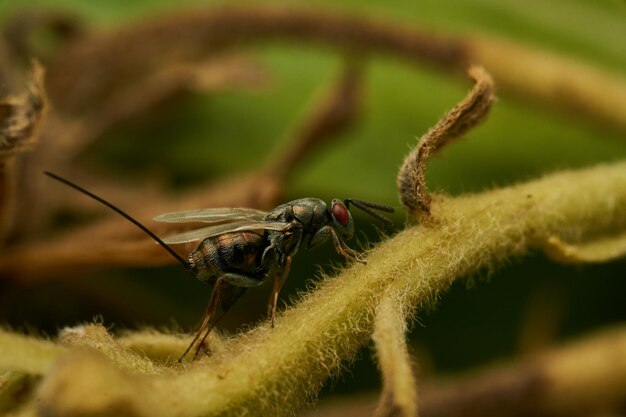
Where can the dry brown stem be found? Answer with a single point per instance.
(7, 197)
(472, 110)
(579, 88)
(581, 378)
(542, 319)
(204, 31)
(522, 70)
(21, 117)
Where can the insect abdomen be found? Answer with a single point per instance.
(230, 252)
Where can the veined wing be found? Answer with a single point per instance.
(212, 215)
(209, 231)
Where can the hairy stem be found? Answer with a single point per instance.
(399, 397)
(26, 354)
(595, 251)
(275, 371)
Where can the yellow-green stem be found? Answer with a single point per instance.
(275, 371)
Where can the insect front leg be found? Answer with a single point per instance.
(271, 263)
(276, 261)
(344, 249)
(279, 281)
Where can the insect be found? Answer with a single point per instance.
(243, 247)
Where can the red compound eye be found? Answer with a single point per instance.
(340, 212)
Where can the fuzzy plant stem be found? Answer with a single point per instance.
(277, 371)
(399, 396)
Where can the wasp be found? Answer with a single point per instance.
(241, 248)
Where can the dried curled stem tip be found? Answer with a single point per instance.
(21, 115)
(465, 115)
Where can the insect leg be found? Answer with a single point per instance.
(210, 311)
(229, 294)
(242, 280)
(343, 249)
(279, 281)
(234, 279)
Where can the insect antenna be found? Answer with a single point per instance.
(369, 207)
(125, 215)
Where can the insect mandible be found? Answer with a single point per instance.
(242, 247)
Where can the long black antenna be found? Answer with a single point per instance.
(367, 207)
(123, 214)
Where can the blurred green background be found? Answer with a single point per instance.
(213, 136)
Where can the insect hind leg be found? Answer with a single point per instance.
(230, 295)
(242, 280)
(205, 326)
(225, 281)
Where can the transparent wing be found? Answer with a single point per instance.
(205, 232)
(212, 215)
